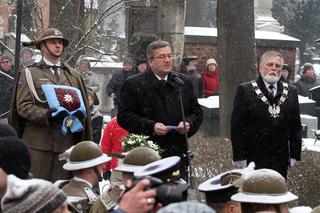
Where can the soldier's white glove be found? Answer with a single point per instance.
(241, 164)
(292, 162)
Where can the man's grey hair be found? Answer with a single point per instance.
(268, 54)
(156, 45)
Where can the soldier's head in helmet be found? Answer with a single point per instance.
(51, 43)
(135, 160)
(86, 161)
(263, 190)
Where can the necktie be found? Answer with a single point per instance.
(271, 91)
(163, 82)
(56, 72)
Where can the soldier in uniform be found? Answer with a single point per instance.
(30, 112)
(134, 160)
(86, 163)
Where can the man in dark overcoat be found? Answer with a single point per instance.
(31, 114)
(150, 104)
(116, 82)
(265, 123)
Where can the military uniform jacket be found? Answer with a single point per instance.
(107, 200)
(144, 100)
(256, 136)
(30, 117)
(75, 188)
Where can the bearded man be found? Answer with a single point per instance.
(265, 122)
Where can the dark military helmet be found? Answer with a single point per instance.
(85, 154)
(264, 186)
(137, 158)
(51, 33)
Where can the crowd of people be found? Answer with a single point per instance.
(54, 157)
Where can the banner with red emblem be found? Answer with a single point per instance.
(68, 99)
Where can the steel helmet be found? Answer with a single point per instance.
(85, 154)
(264, 186)
(51, 33)
(137, 158)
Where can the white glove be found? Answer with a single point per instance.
(292, 162)
(241, 164)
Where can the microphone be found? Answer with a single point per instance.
(178, 80)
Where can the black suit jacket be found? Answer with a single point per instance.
(256, 136)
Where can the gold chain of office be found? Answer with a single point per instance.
(274, 109)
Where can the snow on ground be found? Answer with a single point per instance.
(311, 144)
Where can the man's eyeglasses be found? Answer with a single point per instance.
(163, 56)
(5, 62)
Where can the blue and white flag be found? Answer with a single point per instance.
(69, 99)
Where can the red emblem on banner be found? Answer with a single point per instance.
(68, 99)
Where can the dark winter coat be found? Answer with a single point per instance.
(96, 123)
(305, 84)
(196, 79)
(116, 82)
(145, 101)
(258, 137)
(6, 86)
(210, 83)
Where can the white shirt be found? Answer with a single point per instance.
(158, 77)
(51, 64)
(275, 87)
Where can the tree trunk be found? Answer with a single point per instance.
(171, 27)
(236, 47)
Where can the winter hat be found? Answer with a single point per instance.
(211, 61)
(141, 61)
(15, 157)
(5, 57)
(306, 67)
(7, 130)
(127, 61)
(34, 196)
(187, 58)
(186, 207)
(26, 49)
(286, 67)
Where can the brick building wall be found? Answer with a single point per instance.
(5, 12)
(208, 50)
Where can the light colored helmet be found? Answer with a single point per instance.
(85, 154)
(49, 34)
(264, 186)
